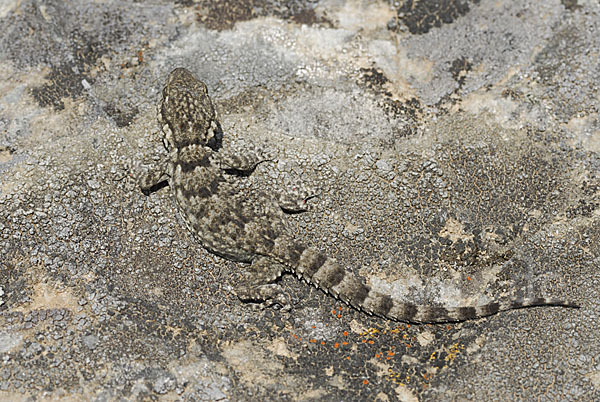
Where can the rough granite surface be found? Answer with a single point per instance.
(455, 148)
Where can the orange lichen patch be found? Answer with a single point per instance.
(367, 337)
(399, 328)
(337, 312)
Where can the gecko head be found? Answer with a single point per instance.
(186, 114)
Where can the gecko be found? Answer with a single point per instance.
(250, 228)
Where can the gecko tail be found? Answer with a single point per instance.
(328, 275)
(408, 312)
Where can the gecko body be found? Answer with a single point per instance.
(251, 227)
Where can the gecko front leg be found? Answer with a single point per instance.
(240, 164)
(295, 199)
(295, 202)
(154, 177)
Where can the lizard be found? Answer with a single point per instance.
(251, 229)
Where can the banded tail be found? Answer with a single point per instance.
(329, 276)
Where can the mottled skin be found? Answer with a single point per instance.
(250, 227)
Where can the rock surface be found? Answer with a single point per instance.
(455, 147)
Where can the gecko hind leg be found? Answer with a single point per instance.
(261, 288)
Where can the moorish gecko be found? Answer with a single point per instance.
(251, 228)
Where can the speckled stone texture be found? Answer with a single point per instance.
(454, 147)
